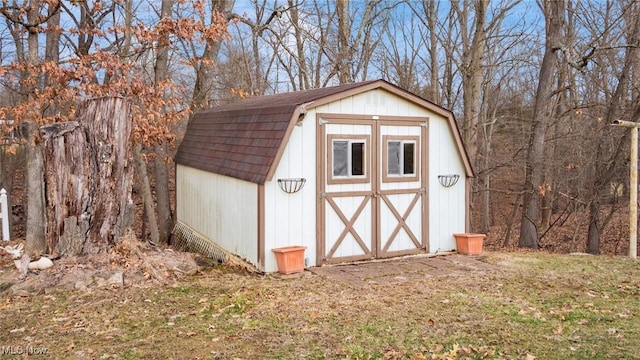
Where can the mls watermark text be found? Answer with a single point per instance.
(23, 350)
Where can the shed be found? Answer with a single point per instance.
(385, 174)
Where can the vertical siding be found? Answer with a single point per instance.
(349, 205)
(290, 219)
(221, 208)
(374, 102)
(446, 205)
(228, 213)
(401, 202)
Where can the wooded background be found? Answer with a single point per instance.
(534, 85)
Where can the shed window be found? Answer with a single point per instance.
(401, 161)
(348, 159)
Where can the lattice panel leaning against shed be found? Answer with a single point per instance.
(186, 239)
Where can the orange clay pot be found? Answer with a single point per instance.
(290, 259)
(469, 244)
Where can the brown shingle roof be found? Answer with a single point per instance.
(243, 139)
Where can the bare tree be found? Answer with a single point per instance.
(29, 20)
(609, 153)
(161, 73)
(356, 38)
(403, 60)
(554, 12)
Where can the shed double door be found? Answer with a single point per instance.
(372, 198)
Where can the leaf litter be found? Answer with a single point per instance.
(545, 306)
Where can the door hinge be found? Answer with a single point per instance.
(424, 124)
(322, 195)
(322, 121)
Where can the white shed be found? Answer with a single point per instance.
(379, 165)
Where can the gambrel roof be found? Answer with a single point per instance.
(245, 139)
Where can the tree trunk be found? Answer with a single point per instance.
(35, 232)
(88, 178)
(486, 203)
(546, 209)
(147, 198)
(485, 156)
(202, 88)
(163, 204)
(606, 160)
(303, 73)
(593, 235)
(432, 16)
(473, 76)
(343, 55)
(541, 113)
(510, 221)
(35, 240)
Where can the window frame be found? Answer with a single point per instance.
(408, 139)
(366, 159)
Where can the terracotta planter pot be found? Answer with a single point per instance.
(469, 244)
(290, 259)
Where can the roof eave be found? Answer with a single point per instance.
(297, 116)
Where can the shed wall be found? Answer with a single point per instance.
(447, 206)
(221, 208)
(226, 210)
(290, 219)
(447, 209)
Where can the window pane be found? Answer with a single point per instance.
(393, 158)
(409, 161)
(357, 159)
(340, 158)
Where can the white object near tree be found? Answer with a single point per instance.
(24, 264)
(633, 186)
(15, 251)
(41, 264)
(4, 214)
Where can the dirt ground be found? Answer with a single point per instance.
(402, 270)
(519, 305)
(147, 266)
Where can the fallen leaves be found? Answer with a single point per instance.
(235, 314)
(455, 351)
(559, 330)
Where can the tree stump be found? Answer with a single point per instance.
(88, 177)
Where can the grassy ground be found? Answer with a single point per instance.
(534, 306)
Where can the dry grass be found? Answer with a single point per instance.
(534, 306)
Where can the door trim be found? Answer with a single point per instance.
(379, 247)
(401, 222)
(349, 223)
